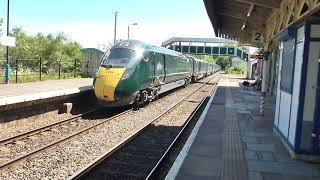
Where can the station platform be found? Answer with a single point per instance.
(231, 141)
(17, 93)
(27, 99)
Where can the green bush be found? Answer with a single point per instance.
(236, 70)
(207, 58)
(223, 62)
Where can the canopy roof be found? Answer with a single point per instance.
(239, 18)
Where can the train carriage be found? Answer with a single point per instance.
(136, 72)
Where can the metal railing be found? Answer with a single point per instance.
(28, 70)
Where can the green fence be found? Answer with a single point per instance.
(38, 69)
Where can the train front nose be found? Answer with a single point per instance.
(106, 83)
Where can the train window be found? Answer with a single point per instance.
(146, 56)
(119, 57)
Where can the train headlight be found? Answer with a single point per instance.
(127, 73)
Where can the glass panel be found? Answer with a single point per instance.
(185, 49)
(118, 57)
(231, 51)
(215, 50)
(208, 50)
(287, 66)
(193, 49)
(239, 52)
(245, 56)
(177, 48)
(223, 50)
(200, 50)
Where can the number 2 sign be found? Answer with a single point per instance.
(257, 37)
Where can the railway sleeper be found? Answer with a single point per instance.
(123, 168)
(106, 174)
(130, 159)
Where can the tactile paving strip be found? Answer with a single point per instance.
(234, 164)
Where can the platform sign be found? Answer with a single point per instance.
(257, 37)
(8, 41)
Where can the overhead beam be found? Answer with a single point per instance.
(250, 10)
(291, 12)
(243, 16)
(273, 4)
(229, 3)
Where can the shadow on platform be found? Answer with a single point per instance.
(235, 142)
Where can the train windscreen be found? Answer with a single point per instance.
(118, 58)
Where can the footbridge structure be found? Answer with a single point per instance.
(202, 46)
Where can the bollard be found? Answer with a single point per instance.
(87, 68)
(17, 69)
(40, 69)
(59, 68)
(66, 108)
(75, 68)
(7, 73)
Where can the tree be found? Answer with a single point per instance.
(228, 45)
(223, 62)
(243, 47)
(1, 23)
(53, 50)
(2, 50)
(207, 58)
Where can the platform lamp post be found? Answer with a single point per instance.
(115, 27)
(133, 24)
(7, 54)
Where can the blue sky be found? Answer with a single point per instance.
(91, 22)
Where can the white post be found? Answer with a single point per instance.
(264, 82)
(248, 69)
(115, 27)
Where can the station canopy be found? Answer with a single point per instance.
(243, 20)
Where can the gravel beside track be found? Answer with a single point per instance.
(64, 159)
(23, 146)
(13, 128)
(136, 159)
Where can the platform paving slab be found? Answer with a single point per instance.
(233, 142)
(25, 92)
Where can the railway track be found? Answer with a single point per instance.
(58, 146)
(27, 144)
(140, 155)
(41, 129)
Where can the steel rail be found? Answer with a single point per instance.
(44, 128)
(190, 118)
(94, 163)
(34, 152)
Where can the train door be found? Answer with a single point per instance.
(159, 69)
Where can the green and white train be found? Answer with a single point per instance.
(137, 72)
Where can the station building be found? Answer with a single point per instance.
(289, 33)
(90, 61)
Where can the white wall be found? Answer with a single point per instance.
(312, 75)
(284, 113)
(296, 85)
(286, 103)
(251, 62)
